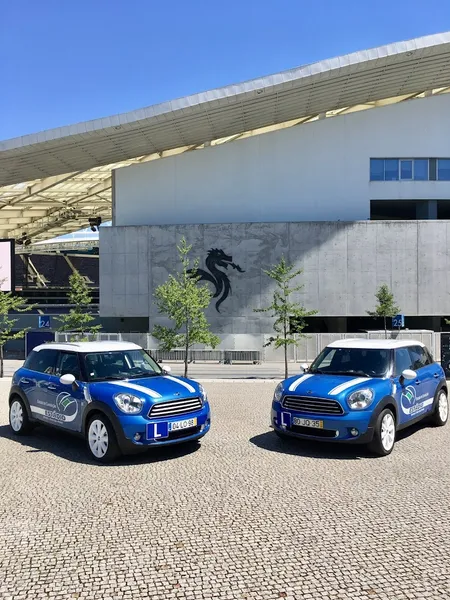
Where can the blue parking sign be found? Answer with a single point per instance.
(44, 322)
(398, 321)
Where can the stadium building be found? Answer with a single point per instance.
(342, 166)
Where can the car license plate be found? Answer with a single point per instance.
(184, 424)
(307, 423)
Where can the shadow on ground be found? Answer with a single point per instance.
(328, 450)
(73, 448)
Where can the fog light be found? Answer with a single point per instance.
(354, 432)
(137, 437)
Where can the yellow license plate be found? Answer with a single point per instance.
(184, 424)
(307, 423)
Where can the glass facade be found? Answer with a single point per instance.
(444, 169)
(408, 169)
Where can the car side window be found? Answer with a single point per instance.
(429, 356)
(402, 361)
(68, 364)
(42, 361)
(419, 357)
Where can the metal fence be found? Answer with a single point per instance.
(307, 349)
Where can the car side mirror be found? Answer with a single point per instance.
(304, 367)
(166, 368)
(409, 374)
(69, 379)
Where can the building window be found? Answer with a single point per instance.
(443, 169)
(377, 169)
(406, 169)
(391, 169)
(421, 169)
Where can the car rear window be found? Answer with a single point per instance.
(42, 361)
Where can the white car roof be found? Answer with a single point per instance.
(88, 346)
(379, 344)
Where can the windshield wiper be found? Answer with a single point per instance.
(143, 374)
(349, 372)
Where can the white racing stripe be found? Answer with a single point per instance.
(294, 385)
(348, 384)
(183, 383)
(138, 388)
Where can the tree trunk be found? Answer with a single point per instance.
(186, 351)
(385, 328)
(1, 361)
(286, 374)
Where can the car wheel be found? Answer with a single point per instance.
(384, 433)
(440, 415)
(18, 417)
(101, 440)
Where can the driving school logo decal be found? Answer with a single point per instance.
(66, 409)
(413, 404)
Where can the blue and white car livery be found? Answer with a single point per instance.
(112, 393)
(362, 391)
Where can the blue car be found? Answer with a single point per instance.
(362, 391)
(112, 393)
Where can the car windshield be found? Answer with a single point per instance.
(123, 364)
(363, 362)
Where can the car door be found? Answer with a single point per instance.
(35, 380)
(406, 391)
(69, 400)
(422, 363)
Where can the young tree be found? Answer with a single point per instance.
(184, 301)
(284, 309)
(386, 306)
(9, 302)
(79, 320)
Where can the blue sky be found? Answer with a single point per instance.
(65, 61)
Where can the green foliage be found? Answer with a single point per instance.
(284, 309)
(79, 320)
(184, 302)
(9, 302)
(386, 306)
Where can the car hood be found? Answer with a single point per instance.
(163, 387)
(326, 386)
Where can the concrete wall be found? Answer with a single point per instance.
(344, 264)
(313, 172)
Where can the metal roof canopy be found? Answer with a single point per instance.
(58, 203)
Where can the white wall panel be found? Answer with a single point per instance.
(312, 172)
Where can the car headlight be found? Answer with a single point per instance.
(360, 399)
(278, 392)
(128, 403)
(203, 394)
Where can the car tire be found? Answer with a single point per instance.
(101, 439)
(384, 433)
(18, 417)
(440, 414)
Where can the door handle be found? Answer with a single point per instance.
(417, 381)
(25, 381)
(436, 375)
(52, 387)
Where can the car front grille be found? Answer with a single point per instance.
(175, 408)
(313, 406)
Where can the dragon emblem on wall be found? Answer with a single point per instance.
(217, 258)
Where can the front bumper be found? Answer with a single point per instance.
(132, 426)
(335, 428)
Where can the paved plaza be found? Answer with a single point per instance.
(244, 516)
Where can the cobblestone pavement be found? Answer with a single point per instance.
(245, 516)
